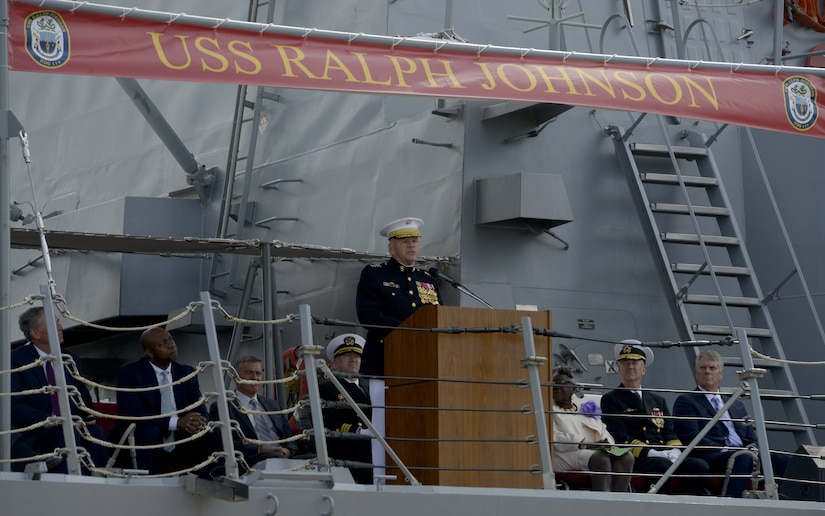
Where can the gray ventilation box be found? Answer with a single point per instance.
(522, 201)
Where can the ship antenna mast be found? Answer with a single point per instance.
(44, 246)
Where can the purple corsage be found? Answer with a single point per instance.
(591, 409)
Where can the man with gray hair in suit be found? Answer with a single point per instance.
(730, 433)
(252, 422)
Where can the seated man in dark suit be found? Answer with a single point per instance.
(261, 427)
(157, 368)
(34, 408)
(344, 352)
(725, 436)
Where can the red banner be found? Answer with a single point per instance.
(86, 43)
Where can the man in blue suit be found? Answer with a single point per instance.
(34, 408)
(251, 368)
(158, 366)
(728, 434)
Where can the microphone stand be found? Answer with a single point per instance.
(462, 288)
(434, 272)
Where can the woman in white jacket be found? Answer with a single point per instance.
(581, 441)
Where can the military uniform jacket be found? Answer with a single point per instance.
(346, 420)
(655, 430)
(387, 294)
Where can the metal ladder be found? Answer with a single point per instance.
(703, 261)
(236, 206)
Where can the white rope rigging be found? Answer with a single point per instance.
(757, 354)
(72, 367)
(62, 307)
(89, 437)
(741, 3)
(195, 305)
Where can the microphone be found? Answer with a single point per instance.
(434, 272)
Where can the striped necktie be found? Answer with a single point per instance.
(262, 424)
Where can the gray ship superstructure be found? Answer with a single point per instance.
(267, 200)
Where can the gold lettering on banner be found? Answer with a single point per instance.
(628, 81)
(542, 83)
(400, 71)
(232, 46)
(162, 55)
(666, 89)
(295, 60)
(200, 44)
(525, 73)
(366, 70)
(339, 65)
(589, 78)
(709, 93)
(563, 76)
(448, 72)
(491, 81)
(677, 90)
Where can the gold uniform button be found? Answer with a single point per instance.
(409, 278)
(393, 294)
(410, 292)
(413, 305)
(644, 429)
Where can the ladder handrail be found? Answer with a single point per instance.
(749, 287)
(695, 223)
(786, 237)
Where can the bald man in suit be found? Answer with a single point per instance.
(160, 356)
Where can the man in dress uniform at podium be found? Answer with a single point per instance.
(388, 293)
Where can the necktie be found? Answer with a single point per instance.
(733, 437)
(52, 396)
(262, 427)
(167, 405)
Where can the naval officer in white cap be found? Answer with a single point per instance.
(344, 354)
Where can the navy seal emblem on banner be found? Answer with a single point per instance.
(47, 39)
(800, 102)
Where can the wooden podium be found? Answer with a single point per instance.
(478, 434)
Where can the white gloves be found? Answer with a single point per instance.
(657, 453)
(671, 454)
(364, 431)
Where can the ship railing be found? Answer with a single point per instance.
(716, 482)
(471, 467)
